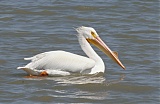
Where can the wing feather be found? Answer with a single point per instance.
(60, 60)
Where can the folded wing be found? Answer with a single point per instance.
(60, 61)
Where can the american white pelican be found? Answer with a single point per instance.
(64, 63)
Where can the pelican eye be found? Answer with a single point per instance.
(93, 34)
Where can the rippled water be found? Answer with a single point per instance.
(131, 27)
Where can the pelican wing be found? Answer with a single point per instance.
(60, 61)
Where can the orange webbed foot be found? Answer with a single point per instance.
(43, 74)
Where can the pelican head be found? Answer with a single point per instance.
(87, 32)
(92, 37)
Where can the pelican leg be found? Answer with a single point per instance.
(30, 76)
(42, 74)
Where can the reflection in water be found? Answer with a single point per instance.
(110, 82)
(82, 79)
(88, 80)
(77, 87)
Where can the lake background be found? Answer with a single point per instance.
(131, 28)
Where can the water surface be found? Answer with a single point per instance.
(129, 27)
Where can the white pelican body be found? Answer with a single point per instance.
(64, 63)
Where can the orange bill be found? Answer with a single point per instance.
(103, 47)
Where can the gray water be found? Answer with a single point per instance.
(130, 27)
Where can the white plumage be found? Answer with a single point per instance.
(64, 63)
